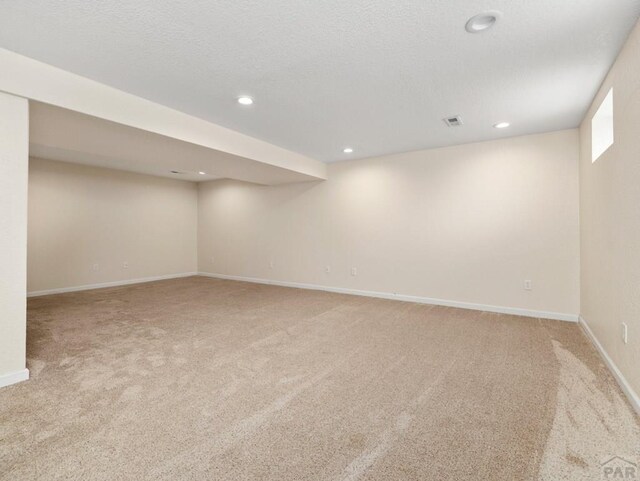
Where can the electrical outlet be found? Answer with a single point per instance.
(271, 264)
(625, 332)
(354, 271)
(95, 267)
(213, 260)
(527, 285)
(327, 269)
(125, 265)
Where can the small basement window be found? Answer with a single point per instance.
(602, 128)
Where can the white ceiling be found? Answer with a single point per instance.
(60, 134)
(377, 75)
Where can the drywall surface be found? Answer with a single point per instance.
(610, 218)
(35, 80)
(375, 75)
(468, 223)
(85, 223)
(14, 152)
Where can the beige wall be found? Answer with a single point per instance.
(467, 223)
(610, 218)
(14, 151)
(81, 216)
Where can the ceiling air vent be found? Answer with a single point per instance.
(453, 121)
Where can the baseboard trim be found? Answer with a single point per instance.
(126, 282)
(633, 397)
(558, 316)
(14, 377)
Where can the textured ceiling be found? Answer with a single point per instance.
(377, 75)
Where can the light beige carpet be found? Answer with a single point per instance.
(203, 379)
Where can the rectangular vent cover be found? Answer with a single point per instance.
(455, 121)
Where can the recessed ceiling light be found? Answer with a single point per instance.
(245, 100)
(202, 173)
(348, 150)
(483, 21)
(502, 125)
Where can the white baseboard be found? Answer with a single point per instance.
(402, 297)
(633, 397)
(14, 377)
(126, 282)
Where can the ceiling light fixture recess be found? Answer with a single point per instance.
(348, 150)
(202, 173)
(502, 125)
(483, 21)
(245, 100)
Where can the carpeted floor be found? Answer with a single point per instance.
(203, 379)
